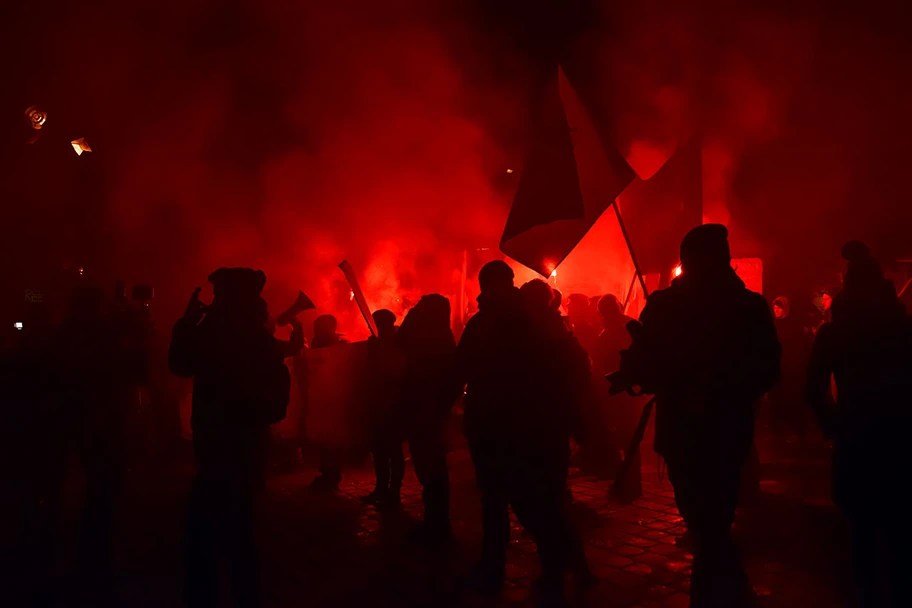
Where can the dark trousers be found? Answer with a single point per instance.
(875, 544)
(331, 463)
(220, 524)
(220, 519)
(389, 464)
(428, 446)
(530, 478)
(706, 494)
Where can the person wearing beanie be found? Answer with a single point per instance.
(517, 427)
(867, 349)
(240, 387)
(708, 350)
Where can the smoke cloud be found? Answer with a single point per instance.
(288, 136)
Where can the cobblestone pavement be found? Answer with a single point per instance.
(330, 550)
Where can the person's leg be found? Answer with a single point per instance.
(864, 559)
(494, 510)
(201, 564)
(242, 547)
(381, 457)
(718, 578)
(330, 469)
(397, 465)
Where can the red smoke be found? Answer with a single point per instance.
(288, 136)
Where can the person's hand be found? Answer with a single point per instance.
(195, 308)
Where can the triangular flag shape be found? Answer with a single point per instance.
(568, 181)
(659, 211)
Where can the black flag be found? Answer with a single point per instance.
(659, 211)
(568, 181)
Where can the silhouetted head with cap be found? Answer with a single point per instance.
(705, 251)
(385, 320)
(236, 293)
(537, 293)
(610, 310)
(862, 268)
(866, 295)
(495, 278)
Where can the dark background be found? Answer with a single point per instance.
(288, 135)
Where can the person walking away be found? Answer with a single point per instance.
(708, 350)
(867, 348)
(517, 427)
(240, 387)
(386, 432)
(324, 336)
(428, 394)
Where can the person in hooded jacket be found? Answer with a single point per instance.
(708, 351)
(517, 425)
(240, 387)
(867, 348)
(427, 397)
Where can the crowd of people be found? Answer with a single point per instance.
(532, 385)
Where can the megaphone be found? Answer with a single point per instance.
(300, 305)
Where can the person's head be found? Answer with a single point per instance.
(557, 300)
(862, 268)
(537, 293)
(705, 251)
(435, 308)
(781, 307)
(609, 308)
(325, 326)
(826, 300)
(236, 292)
(385, 320)
(495, 278)
(427, 325)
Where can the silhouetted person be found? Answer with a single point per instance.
(787, 416)
(240, 387)
(39, 427)
(868, 349)
(101, 363)
(583, 320)
(576, 399)
(708, 350)
(517, 427)
(621, 410)
(324, 335)
(385, 416)
(428, 394)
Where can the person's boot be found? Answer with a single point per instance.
(322, 483)
(391, 500)
(430, 535)
(550, 589)
(376, 496)
(487, 577)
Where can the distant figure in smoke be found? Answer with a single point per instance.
(577, 397)
(428, 394)
(583, 320)
(386, 432)
(103, 363)
(37, 418)
(324, 335)
(787, 416)
(868, 349)
(708, 350)
(517, 427)
(621, 410)
(240, 387)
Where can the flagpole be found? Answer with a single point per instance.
(636, 265)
